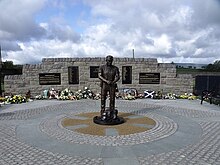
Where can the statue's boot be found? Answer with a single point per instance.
(102, 107)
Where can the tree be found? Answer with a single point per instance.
(8, 65)
(9, 68)
(215, 67)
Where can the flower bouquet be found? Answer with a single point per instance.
(16, 99)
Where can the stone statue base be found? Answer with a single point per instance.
(109, 118)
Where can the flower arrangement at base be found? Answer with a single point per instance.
(128, 97)
(78, 94)
(2, 100)
(188, 96)
(158, 95)
(53, 94)
(171, 96)
(66, 94)
(192, 97)
(184, 96)
(141, 96)
(44, 95)
(72, 97)
(39, 97)
(87, 94)
(16, 99)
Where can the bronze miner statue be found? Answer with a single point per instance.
(108, 75)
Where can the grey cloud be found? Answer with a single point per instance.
(10, 46)
(180, 20)
(24, 59)
(63, 33)
(206, 12)
(17, 22)
(202, 42)
(131, 23)
(171, 54)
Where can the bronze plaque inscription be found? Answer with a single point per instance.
(149, 78)
(94, 71)
(73, 74)
(49, 79)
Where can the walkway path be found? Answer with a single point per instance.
(185, 133)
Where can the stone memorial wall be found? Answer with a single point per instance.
(77, 73)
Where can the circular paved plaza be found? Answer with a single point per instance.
(45, 132)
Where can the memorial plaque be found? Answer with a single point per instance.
(73, 74)
(126, 74)
(149, 78)
(94, 71)
(49, 79)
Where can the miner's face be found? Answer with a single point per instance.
(109, 61)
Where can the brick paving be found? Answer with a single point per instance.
(185, 133)
(206, 151)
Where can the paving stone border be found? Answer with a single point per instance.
(13, 151)
(191, 112)
(32, 112)
(205, 152)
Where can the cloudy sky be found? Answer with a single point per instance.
(169, 30)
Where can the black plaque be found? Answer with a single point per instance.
(126, 74)
(94, 71)
(49, 79)
(149, 78)
(73, 74)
